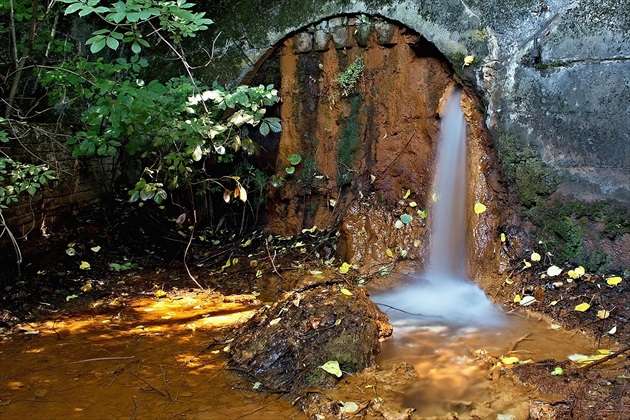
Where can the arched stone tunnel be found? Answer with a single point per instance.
(361, 107)
(558, 123)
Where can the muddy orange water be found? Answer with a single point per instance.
(453, 370)
(143, 359)
(150, 358)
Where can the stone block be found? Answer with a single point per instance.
(303, 43)
(362, 34)
(340, 37)
(385, 33)
(336, 22)
(321, 40)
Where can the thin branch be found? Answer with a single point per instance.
(98, 359)
(192, 235)
(272, 260)
(604, 359)
(16, 246)
(152, 388)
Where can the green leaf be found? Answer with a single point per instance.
(136, 48)
(264, 128)
(274, 125)
(112, 43)
(73, 8)
(290, 170)
(294, 159)
(332, 367)
(98, 45)
(406, 218)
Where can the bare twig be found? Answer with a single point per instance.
(275, 269)
(135, 407)
(16, 246)
(53, 327)
(259, 408)
(98, 359)
(604, 359)
(152, 388)
(515, 343)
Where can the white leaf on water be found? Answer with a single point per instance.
(332, 367)
(349, 407)
(528, 300)
(553, 271)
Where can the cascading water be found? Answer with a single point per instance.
(442, 294)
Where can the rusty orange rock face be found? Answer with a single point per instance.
(363, 151)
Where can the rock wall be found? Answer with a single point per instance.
(368, 148)
(79, 183)
(552, 77)
(571, 105)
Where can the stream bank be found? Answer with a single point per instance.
(178, 336)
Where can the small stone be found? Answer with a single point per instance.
(385, 33)
(303, 43)
(321, 40)
(322, 26)
(340, 37)
(335, 22)
(363, 34)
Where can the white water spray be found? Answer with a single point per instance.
(442, 295)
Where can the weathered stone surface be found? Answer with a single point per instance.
(321, 40)
(362, 34)
(385, 33)
(303, 42)
(283, 346)
(585, 46)
(340, 37)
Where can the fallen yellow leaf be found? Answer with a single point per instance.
(554, 271)
(346, 292)
(468, 60)
(535, 257)
(344, 268)
(479, 208)
(517, 298)
(332, 367)
(603, 314)
(613, 281)
(582, 307)
(503, 237)
(510, 360)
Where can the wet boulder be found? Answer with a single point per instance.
(286, 344)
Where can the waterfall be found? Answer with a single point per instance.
(448, 221)
(442, 294)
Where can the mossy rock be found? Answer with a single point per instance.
(284, 345)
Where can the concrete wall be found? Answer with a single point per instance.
(571, 107)
(79, 183)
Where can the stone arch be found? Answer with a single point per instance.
(362, 149)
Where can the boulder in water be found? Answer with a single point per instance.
(284, 346)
